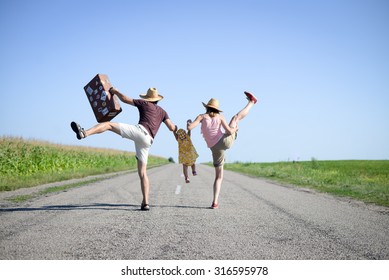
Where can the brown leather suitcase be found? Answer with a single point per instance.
(105, 106)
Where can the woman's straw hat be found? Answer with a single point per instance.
(212, 103)
(152, 95)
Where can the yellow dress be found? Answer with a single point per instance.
(187, 153)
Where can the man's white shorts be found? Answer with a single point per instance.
(141, 138)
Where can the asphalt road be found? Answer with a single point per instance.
(256, 220)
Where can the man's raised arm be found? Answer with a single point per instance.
(122, 97)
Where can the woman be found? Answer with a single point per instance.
(218, 141)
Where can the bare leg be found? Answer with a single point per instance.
(185, 169)
(102, 127)
(144, 181)
(217, 184)
(194, 170)
(241, 115)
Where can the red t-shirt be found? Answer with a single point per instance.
(150, 116)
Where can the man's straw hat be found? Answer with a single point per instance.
(212, 103)
(152, 95)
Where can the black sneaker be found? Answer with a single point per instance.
(144, 207)
(80, 132)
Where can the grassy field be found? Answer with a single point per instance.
(363, 180)
(26, 163)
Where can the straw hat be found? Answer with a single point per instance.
(213, 103)
(151, 95)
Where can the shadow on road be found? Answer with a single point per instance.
(179, 206)
(94, 206)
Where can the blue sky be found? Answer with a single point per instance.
(320, 69)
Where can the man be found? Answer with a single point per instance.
(150, 118)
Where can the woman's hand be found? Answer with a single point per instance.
(191, 125)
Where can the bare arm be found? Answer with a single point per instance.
(122, 97)
(188, 122)
(171, 126)
(196, 122)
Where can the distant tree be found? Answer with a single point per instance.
(171, 160)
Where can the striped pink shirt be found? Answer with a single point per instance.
(211, 130)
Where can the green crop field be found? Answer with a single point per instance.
(26, 163)
(364, 180)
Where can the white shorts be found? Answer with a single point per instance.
(141, 138)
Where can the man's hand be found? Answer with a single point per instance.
(121, 96)
(113, 90)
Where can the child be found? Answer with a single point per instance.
(218, 141)
(187, 154)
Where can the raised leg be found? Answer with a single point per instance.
(244, 112)
(102, 127)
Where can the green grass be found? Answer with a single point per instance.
(364, 180)
(27, 163)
